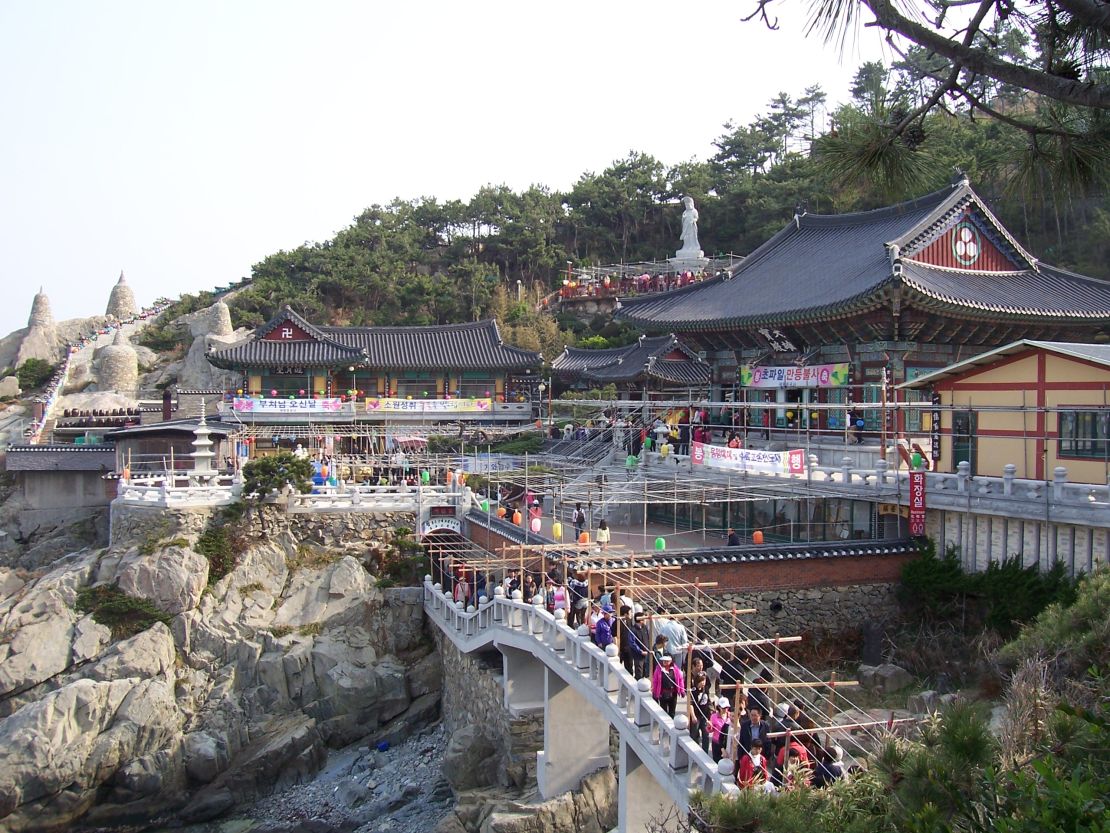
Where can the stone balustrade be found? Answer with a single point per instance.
(651, 741)
(1079, 503)
(183, 489)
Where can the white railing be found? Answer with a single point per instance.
(373, 498)
(166, 494)
(180, 489)
(1077, 501)
(663, 743)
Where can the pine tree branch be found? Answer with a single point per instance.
(1089, 12)
(980, 61)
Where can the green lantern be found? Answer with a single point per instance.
(425, 476)
(660, 543)
(485, 505)
(916, 459)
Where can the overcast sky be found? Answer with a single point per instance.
(184, 142)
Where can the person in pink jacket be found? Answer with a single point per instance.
(667, 684)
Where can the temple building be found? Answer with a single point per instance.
(831, 307)
(291, 368)
(651, 367)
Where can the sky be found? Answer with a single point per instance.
(181, 143)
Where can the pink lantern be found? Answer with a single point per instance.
(273, 392)
(300, 392)
(536, 524)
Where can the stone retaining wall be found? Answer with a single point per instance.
(474, 695)
(131, 524)
(828, 609)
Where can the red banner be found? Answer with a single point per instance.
(917, 503)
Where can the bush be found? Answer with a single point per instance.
(269, 474)
(528, 443)
(34, 373)
(223, 541)
(125, 615)
(939, 591)
(403, 562)
(1073, 638)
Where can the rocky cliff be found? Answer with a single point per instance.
(135, 684)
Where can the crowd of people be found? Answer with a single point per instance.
(609, 285)
(725, 693)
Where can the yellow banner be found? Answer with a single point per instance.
(393, 405)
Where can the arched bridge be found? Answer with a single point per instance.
(583, 691)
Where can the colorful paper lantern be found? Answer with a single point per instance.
(557, 531)
(916, 459)
(501, 511)
(273, 392)
(485, 506)
(300, 392)
(426, 476)
(536, 525)
(584, 538)
(860, 423)
(517, 517)
(660, 543)
(757, 536)
(239, 392)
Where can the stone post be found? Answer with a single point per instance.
(963, 475)
(1009, 471)
(1059, 481)
(642, 801)
(575, 738)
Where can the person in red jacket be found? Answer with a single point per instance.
(752, 773)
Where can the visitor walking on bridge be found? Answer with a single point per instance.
(667, 684)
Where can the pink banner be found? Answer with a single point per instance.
(748, 459)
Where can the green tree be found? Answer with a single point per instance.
(34, 373)
(1058, 96)
(266, 475)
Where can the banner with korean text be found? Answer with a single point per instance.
(917, 503)
(748, 459)
(792, 376)
(395, 405)
(276, 405)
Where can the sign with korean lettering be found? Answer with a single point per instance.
(434, 524)
(917, 503)
(395, 405)
(934, 431)
(748, 459)
(792, 376)
(286, 406)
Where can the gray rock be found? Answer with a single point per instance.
(924, 702)
(56, 752)
(208, 804)
(351, 794)
(471, 760)
(426, 676)
(173, 578)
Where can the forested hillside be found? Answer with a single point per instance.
(423, 261)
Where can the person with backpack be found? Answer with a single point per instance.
(667, 684)
(579, 521)
(578, 592)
